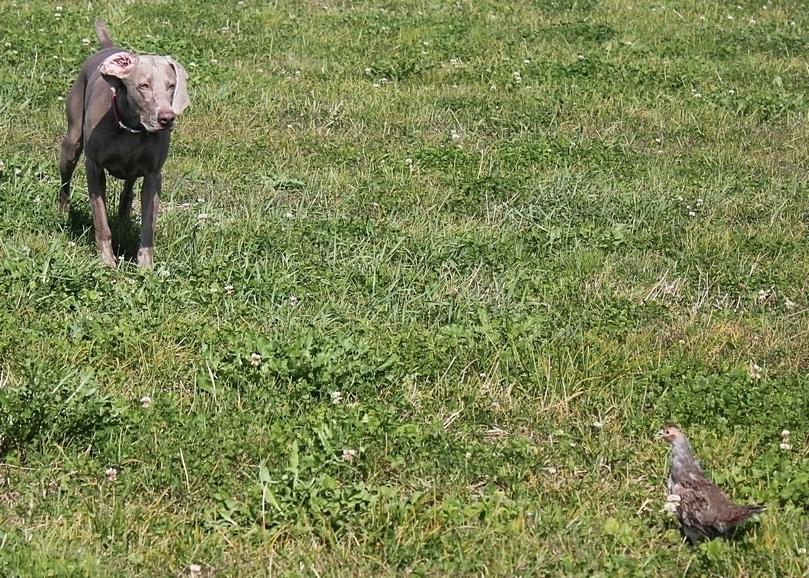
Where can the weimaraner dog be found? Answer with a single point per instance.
(121, 111)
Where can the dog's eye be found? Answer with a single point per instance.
(143, 86)
(171, 86)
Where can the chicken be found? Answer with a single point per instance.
(704, 510)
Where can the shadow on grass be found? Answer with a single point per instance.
(125, 235)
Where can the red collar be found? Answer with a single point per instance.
(117, 113)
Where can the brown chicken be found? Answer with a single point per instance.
(704, 511)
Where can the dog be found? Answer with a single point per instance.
(120, 111)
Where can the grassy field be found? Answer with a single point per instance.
(429, 276)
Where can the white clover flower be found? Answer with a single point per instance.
(785, 433)
(785, 446)
(229, 289)
(692, 214)
(764, 294)
(255, 359)
(293, 300)
(672, 503)
(349, 455)
(112, 474)
(85, 41)
(194, 570)
(145, 402)
(336, 397)
(755, 371)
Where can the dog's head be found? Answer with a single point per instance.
(155, 86)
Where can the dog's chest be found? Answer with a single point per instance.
(129, 156)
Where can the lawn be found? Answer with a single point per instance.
(429, 277)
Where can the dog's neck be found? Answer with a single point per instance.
(120, 110)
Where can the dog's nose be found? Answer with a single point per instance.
(166, 118)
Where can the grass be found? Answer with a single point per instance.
(429, 277)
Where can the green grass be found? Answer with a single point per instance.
(517, 238)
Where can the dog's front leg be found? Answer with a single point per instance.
(149, 207)
(97, 187)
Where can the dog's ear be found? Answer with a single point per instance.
(181, 99)
(120, 65)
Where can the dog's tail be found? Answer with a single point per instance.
(103, 35)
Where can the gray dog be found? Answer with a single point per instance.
(120, 111)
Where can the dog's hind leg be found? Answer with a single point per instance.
(125, 203)
(72, 143)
